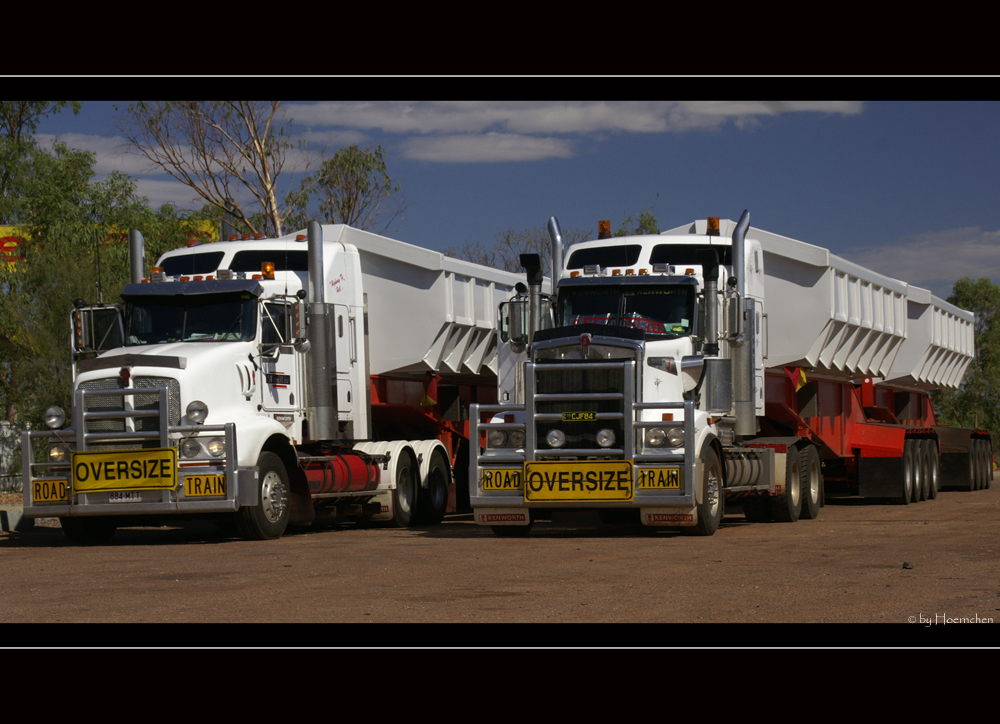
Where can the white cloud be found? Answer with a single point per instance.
(488, 147)
(935, 260)
(426, 117)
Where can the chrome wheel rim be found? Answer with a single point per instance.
(273, 497)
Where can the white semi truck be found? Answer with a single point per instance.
(670, 373)
(326, 373)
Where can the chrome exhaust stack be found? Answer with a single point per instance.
(136, 256)
(744, 405)
(320, 361)
(557, 252)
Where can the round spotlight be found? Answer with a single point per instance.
(58, 454)
(497, 438)
(197, 411)
(190, 448)
(675, 437)
(216, 447)
(54, 417)
(517, 438)
(605, 437)
(655, 437)
(556, 438)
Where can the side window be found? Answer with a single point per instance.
(274, 325)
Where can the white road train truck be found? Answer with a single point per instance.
(670, 373)
(327, 373)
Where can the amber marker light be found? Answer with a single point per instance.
(267, 270)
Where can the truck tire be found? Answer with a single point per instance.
(787, 507)
(971, 483)
(268, 519)
(918, 469)
(811, 482)
(988, 454)
(984, 470)
(713, 499)
(432, 502)
(907, 481)
(406, 497)
(88, 531)
(933, 469)
(756, 509)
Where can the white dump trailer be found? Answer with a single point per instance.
(322, 374)
(712, 362)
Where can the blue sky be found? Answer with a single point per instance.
(906, 188)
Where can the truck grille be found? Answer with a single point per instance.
(602, 390)
(142, 402)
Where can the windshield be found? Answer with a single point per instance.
(194, 318)
(659, 311)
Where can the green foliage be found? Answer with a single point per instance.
(354, 188)
(18, 121)
(977, 401)
(645, 223)
(76, 246)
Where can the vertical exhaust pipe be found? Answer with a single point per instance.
(557, 252)
(744, 406)
(136, 256)
(740, 252)
(320, 401)
(532, 264)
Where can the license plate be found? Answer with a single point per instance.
(658, 478)
(50, 491)
(124, 496)
(503, 479)
(580, 481)
(125, 470)
(204, 486)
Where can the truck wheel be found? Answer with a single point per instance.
(988, 455)
(787, 507)
(433, 500)
(971, 482)
(755, 509)
(713, 498)
(907, 482)
(269, 518)
(918, 470)
(88, 531)
(983, 466)
(933, 469)
(811, 481)
(405, 498)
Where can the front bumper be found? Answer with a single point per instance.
(209, 485)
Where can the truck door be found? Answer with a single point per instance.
(279, 364)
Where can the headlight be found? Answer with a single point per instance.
(197, 411)
(555, 438)
(216, 448)
(58, 454)
(675, 437)
(496, 438)
(605, 437)
(190, 448)
(517, 438)
(655, 437)
(54, 417)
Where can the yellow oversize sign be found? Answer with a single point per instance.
(591, 480)
(125, 470)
